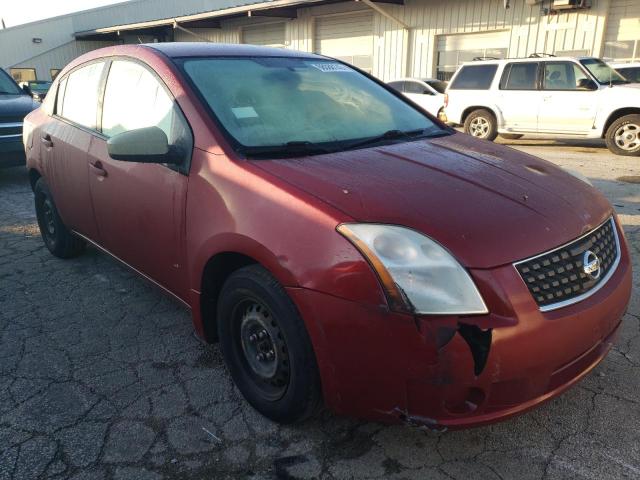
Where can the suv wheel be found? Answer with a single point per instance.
(623, 136)
(266, 346)
(481, 124)
(57, 237)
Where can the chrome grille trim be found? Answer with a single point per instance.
(597, 286)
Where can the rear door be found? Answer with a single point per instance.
(520, 96)
(65, 141)
(140, 207)
(568, 105)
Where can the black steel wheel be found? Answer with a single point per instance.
(56, 236)
(266, 346)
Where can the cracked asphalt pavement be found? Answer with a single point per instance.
(102, 378)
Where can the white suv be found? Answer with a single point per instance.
(581, 97)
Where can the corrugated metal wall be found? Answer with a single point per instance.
(59, 57)
(529, 31)
(413, 52)
(397, 51)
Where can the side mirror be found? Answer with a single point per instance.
(143, 145)
(27, 90)
(427, 92)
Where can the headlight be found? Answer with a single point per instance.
(418, 274)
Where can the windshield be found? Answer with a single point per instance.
(604, 74)
(273, 101)
(437, 85)
(7, 85)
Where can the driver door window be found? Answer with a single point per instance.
(569, 104)
(135, 99)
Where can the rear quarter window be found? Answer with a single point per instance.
(474, 77)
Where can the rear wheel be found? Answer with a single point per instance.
(511, 136)
(57, 237)
(623, 136)
(481, 124)
(266, 346)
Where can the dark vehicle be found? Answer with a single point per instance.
(37, 88)
(15, 104)
(630, 71)
(343, 246)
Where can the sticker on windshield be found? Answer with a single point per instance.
(331, 67)
(244, 112)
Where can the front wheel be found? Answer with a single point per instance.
(266, 346)
(481, 124)
(623, 136)
(57, 237)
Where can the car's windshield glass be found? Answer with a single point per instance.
(438, 85)
(604, 74)
(7, 85)
(272, 101)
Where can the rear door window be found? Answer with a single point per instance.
(397, 86)
(520, 76)
(474, 77)
(415, 87)
(80, 103)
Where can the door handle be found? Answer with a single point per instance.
(46, 140)
(97, 169)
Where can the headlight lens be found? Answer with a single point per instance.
(418, 274)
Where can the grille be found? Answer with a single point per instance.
(557, 278)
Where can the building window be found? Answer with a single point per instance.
(623, 51)
(572, 53)
(455, 49)
(54, 73)
(23, 74)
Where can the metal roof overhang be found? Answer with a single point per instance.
(274, 8)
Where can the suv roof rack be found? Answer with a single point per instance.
(540, 55)
(479, 59)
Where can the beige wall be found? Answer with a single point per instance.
(399, 51)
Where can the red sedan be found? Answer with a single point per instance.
(344, 246)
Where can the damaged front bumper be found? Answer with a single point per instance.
(456, 372)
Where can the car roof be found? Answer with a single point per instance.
(416, 79)
(202, 49)
(624, 65)
(529, 59)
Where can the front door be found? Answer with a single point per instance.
(569, 104)
(140, 207)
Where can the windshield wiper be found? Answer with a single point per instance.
(289, 149)
(396, 135)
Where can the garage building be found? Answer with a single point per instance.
(389, 38)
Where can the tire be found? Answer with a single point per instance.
(481, 124)
(257, 317)
(57, 237)
(511, 136)
(623, 136)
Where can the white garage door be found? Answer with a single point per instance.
(347, 37)
(622, 38)
(270, 35)
(453, 50)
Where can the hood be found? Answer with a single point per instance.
(16, 107)
(488, 204)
